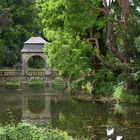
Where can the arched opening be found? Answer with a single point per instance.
(36, 62)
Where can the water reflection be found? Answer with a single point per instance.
(36, 109)
(29, 105)
(76, 117)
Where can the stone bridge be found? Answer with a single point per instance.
(26, 77)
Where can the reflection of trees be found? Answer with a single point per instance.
(10, 109)
(80, 119)
(36, 104)
(85, 119)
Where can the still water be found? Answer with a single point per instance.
(78, 118)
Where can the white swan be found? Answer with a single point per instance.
(109, 131)
(119, 137)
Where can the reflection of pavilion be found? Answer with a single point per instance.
(36, 109)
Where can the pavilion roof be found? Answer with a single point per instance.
(33, 45)
(35, 40)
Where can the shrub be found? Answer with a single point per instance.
(103, 89)
(12, 84)
(36, 83)
(120, 95)
(26, 131)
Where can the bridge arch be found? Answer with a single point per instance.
(29, 115)
(26, 57)
(36, 104)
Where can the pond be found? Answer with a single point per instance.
(78, 118)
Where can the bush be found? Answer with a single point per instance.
(103, 89)
(36, 83)
(120, 95)
(26, 131)
(12, 84)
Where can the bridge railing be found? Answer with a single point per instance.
(35, 73)
(10, 73)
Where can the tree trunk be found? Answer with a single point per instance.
(99, 45)
(124, 4)
(125, 58)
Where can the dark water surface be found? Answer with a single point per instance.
(80, 119)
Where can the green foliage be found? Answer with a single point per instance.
(12, 84)
(64, 25)
(70, 26)
(103, 89)
(26, 131)
(103, 83)
(120, 96)
(25, 24)
(69, 52)
(119, 91)
(36, 83)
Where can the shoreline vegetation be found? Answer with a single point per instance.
(27, 131)
(118, 95)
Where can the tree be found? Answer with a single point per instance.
(25, 23)
(5, 19)
(98, 29)
(69, 30)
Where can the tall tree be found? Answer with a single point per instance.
(88, 35)
(25, 24)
